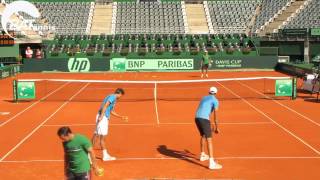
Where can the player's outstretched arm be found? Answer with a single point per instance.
(125, 118)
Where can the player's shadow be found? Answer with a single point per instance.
(314, 100)
(195, 76)
(20, 101)
(182, 155)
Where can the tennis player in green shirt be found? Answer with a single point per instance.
(76, 150)
(205, 64)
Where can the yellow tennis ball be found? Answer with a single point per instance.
(100, 172)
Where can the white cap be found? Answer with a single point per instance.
(213, 90)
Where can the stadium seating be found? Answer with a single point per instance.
(149, 17)
(75, 17)
(66, 17)
(125, 44)
(269, 9)
(231, 16)
(309, 17)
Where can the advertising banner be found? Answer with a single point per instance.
(123, 64)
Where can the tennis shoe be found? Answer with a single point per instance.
(214, 165)
(204, 157)
(109, 158)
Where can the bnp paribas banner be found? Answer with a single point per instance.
(123, 64)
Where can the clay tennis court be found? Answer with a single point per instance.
(259, 139)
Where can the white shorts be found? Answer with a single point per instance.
(103, 126)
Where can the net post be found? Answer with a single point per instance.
(294, 88)
(11, 70)
(15, 91)
(264, 86)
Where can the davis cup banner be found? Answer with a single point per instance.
(123, 64)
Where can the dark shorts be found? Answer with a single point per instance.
(204, 127)
(78, 176)
(205, 66)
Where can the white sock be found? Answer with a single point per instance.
(105, 153)
(203, 153)
(211, 160)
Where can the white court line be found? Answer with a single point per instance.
(156, 103)
(280, 126)
(4, 113)
(171, 158)
(38, 127)
(292, 110)
(149, 124)
(223, 123)
(33, 104)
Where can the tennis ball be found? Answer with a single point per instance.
(100, 172)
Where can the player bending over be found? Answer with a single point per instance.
(102, 121)
(207, 105)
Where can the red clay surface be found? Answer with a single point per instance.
(260, 139)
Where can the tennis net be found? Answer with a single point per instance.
(179, 90)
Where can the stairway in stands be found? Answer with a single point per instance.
(102, 19)
(278, 21)
(196, 19)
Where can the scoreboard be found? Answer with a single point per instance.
(6, 40)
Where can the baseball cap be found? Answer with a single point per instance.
(213, 90)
